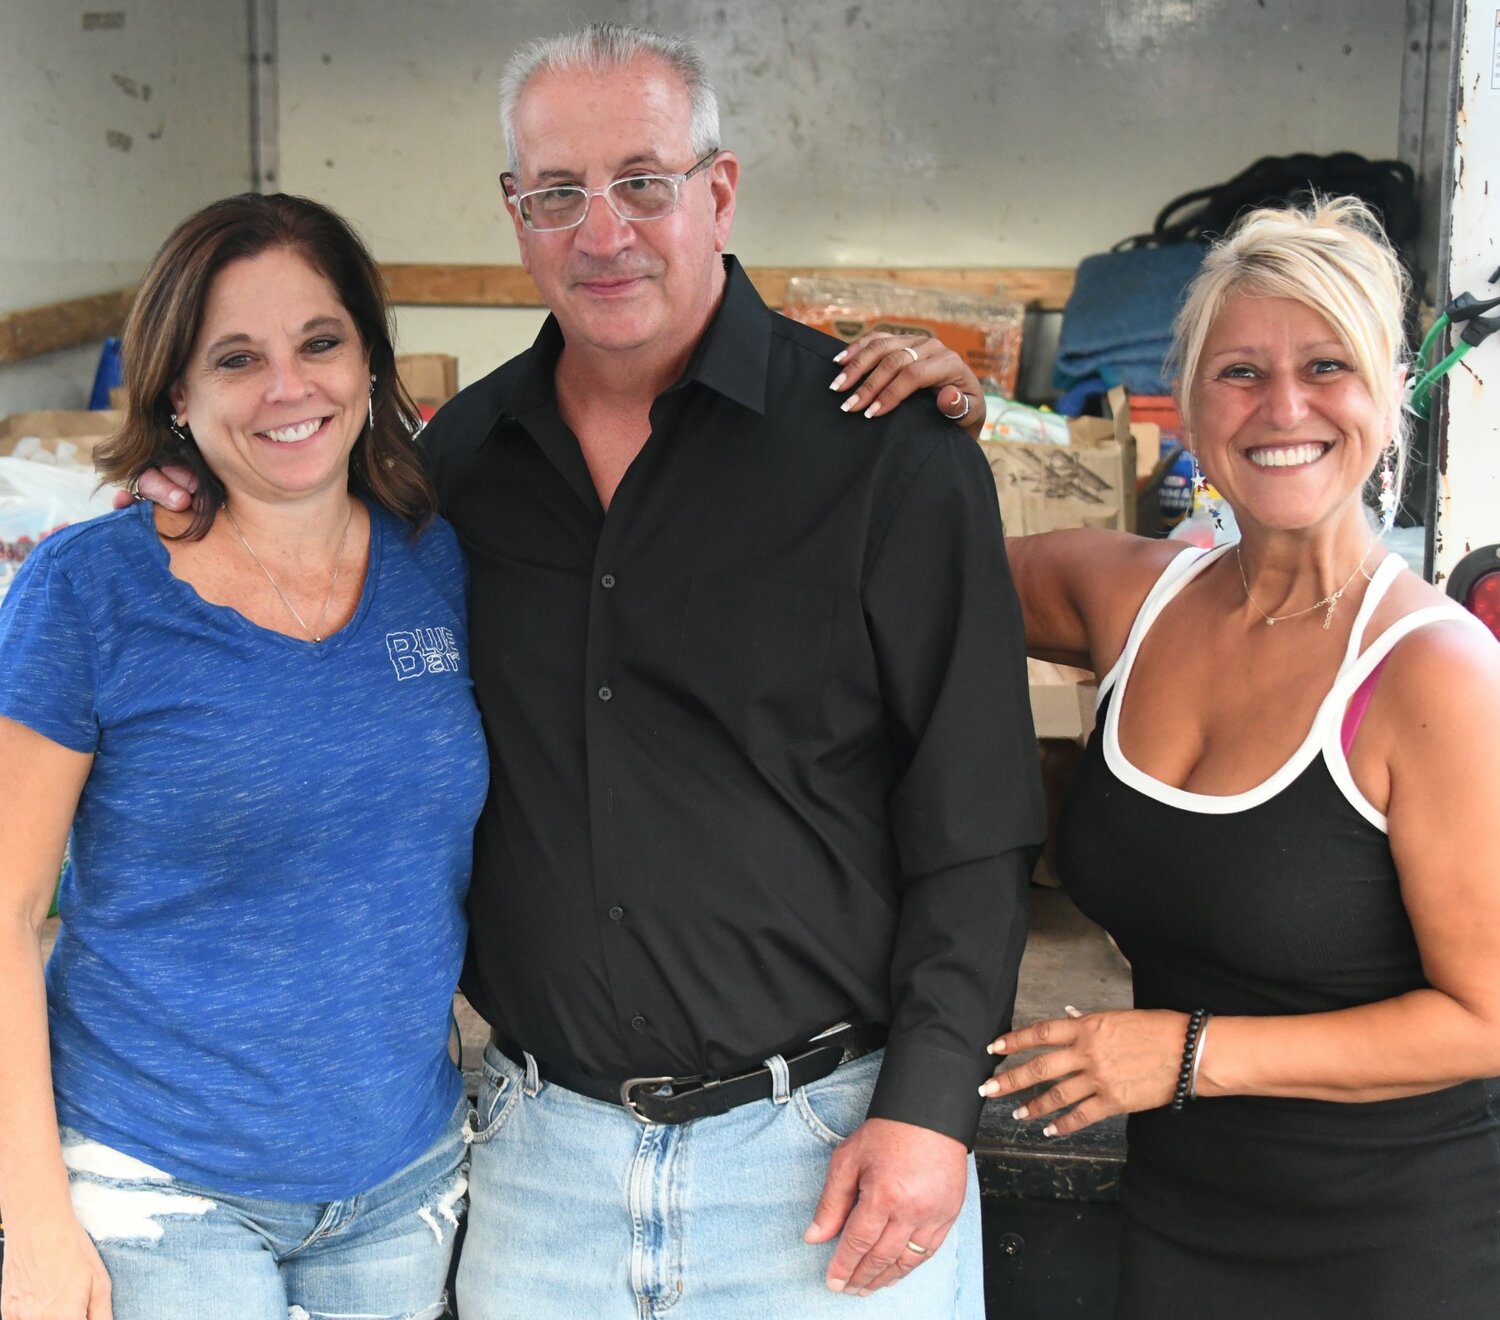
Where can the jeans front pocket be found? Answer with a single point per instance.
(834, 1106)
(498, 1093)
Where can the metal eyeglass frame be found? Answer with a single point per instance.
(508, 183)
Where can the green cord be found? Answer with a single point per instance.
(1438, 326)
(1421, 392)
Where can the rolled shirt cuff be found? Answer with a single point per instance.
(932, 1088)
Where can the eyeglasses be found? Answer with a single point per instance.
(635, 198)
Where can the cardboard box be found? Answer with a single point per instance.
(1089, 482)
(1092, 481)
(986, 332)
(1062, 700)
(83, 429)
(430, 378)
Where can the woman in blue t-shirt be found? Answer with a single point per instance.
(230, 1095)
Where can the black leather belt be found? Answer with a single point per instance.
(680, 1099)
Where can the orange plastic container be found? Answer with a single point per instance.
(1161, 409)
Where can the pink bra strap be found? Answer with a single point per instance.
(1358, 704)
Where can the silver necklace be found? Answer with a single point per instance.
(338, 557)
(1329, 601)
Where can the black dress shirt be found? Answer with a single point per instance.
(761, 752)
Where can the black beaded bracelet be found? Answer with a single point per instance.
(1182, 1093)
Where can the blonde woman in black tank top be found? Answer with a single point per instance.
(1289, 818)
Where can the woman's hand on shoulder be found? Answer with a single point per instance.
(1101, 1064)
(1081, 589)
(883, 370)
(170, 486)
(53, 1272)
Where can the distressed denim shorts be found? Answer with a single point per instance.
(174, 1248)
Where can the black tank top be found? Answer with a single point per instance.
(1280, 899)
(1283, 899)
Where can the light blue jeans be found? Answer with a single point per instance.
(579, 1212)
(175, 1249)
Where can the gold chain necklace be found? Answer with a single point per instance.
(1330, 601)
(338, 557)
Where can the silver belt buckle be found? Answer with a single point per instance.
(628, 1101)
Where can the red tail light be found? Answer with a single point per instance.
(1475, 584)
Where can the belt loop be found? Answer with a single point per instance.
(533, 1082)
(781, 1079)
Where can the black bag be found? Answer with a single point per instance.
(1387, 185)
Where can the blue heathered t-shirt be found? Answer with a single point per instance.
(263, 919)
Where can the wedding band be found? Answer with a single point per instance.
(959, 416)
(921, 1251)
(907, 348)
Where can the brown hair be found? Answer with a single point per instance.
(168, 310)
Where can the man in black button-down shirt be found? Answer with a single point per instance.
(762, 759)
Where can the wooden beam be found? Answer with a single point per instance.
(1045, 288)
(1042, 287)
(33, 331)
(459, 286)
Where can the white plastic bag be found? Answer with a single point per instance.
(39, 498)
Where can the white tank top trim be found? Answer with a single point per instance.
(1165, 587)
(1325, 735)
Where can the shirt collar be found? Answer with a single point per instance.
(731, 359)
(734, 354)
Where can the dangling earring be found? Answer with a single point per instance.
(1389, 497)
(372, 403)
(179, 430)
(1205, 495)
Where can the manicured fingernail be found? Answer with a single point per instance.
(177, 499)
(836, 1285)
(840, 356)
(989, 1088)
(1020, 1111)
(996, 1046)
(850, 403)
(873, 409)
(1072, 1012)
(838, 381)
(1050, 1130)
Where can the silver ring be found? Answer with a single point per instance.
(959, 416)
(913, 1247)
(907, 348)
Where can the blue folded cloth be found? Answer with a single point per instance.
(1118, 321)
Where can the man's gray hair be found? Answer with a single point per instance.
(602, 46)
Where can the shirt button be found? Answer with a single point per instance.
(638, 1022)
(605, 694)
(616, 913)
(607, 581)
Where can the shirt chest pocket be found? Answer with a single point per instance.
(756, 651)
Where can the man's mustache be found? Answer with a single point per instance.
(587, 271)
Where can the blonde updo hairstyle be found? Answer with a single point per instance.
(1331, 255)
